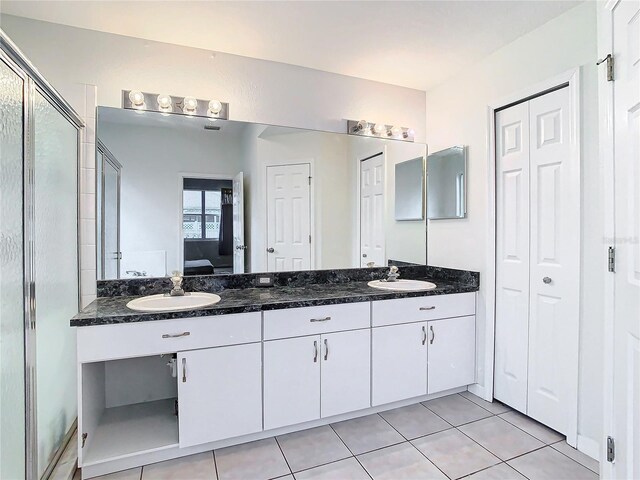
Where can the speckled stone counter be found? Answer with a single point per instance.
(290, 291)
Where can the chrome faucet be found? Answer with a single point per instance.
(176, 279)
(393, 274)
(136, 273)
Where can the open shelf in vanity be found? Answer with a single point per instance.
(128, 406)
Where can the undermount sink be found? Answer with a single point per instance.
(166, 303)
(403, 285)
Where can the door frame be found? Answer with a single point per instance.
(571, 78)
(110, 158)
(316, 240)
(181, 177)
(358, 159)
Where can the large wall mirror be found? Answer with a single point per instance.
(214, 197)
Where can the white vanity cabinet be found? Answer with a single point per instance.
(314, 376)
(219, 393)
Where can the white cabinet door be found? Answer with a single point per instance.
(345, 372)
(291, 381)
(399, 354)
(219, 393)
(452, 353)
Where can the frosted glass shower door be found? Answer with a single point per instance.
(12, 393)
(56, 274)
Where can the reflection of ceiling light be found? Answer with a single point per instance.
(361, 126)
(137, 98)
(164, 103)
(378, 128)
(215, 107)
(190, 105)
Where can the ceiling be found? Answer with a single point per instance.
(416, 44)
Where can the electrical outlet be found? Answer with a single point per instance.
(264, 281)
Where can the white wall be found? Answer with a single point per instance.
(457, 114)
(151, 210)
(257, 90)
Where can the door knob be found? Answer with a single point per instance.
(270, 250)
(364, 255)
(547, 280)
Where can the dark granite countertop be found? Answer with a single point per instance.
(113, 310)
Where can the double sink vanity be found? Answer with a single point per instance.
(314, 348)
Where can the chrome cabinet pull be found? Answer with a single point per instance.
(176, 335)
(424, 335)
(326, 349)
(433, 335)
(432, 307)
(325, 319)
(315, 351)
(184, 370)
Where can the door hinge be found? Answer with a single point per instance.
(611, 260)
(611, 449)
(84, 439)
(610, 66)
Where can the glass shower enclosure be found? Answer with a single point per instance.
(39, 151)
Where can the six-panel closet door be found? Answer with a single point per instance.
(537, 271)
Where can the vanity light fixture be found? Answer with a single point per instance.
(169, 104)
(370, 129)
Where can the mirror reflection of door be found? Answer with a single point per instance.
(372, 251)
(110, 172)
(207, 226)
(288, 217)
(239, 246)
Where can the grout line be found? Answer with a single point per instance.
(215, 464)
(283, 455)
(529, 418)
(581, 464)
(352, 454)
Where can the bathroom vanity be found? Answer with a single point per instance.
(263, 362)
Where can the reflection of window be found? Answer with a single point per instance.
(201, 214)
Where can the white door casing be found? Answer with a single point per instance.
(554, 260)
(239, 246)
(512, 257)
(288, 217)
(624, 352)
(372, 207)
(345, 372)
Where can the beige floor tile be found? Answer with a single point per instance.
(131, 474)
(313, 447)
(193, 467)
(533, 428)
(549, 464)
(497, 472)
(457, 410)
(501, 438)
(347, 469)
(581, 458)
(494, 407)
(454, 453)
(368, 433)
(415, 421)
(399, 462)
(258, 460)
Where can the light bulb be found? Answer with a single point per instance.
(361, 126)
(410, 133)
(190, 105)
(136, 97)
(378, 128)
(215, 106)
(164, 103)
(396, 132)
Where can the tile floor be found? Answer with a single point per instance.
(458, 436)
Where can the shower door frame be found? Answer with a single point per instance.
(34, 83)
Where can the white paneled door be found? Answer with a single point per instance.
(288, 217)
(626, 362)
(238, 223)
(512, 258)
(537, 259)
(372, 211)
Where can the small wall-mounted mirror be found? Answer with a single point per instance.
(410, 190)
(446, 183)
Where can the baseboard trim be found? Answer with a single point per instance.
(589, 447)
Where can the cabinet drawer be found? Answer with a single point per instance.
(296, 322)
(105, 342)
(417, 309)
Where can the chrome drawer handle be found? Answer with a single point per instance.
(433, 307)
(176, 335)
(325, 319)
